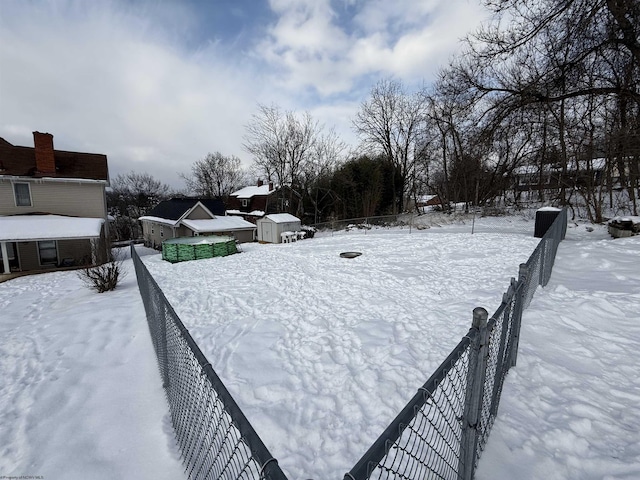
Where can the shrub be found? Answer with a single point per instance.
(105, 277)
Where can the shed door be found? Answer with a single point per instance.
(266, 232)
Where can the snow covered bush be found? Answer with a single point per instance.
(309, 231)
(105, 277)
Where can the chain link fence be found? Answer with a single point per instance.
(216, 440)
(440, 434)
(442, 431)
(481, 220)
(424, 440)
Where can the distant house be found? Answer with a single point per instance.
(551, 177)
(271, 227)
(255, 201)
(52, 207)
(428, 201)
(191, 217)
(252, 202)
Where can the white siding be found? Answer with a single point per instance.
(61, 198)
(199, 213)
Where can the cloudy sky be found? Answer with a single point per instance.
(157, 84)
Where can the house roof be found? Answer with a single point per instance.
(596, 165)
(19, 228)
(426, 198)
(21, 162)
(282, 218)
(253, 191)
(150, 218)
(175, 208)
(218, 224)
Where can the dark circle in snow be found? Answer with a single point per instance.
(350, 254)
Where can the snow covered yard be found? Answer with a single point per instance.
(570, 409)
(80, 394)
(322, 352)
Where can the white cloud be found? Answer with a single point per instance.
(128, 79)
(313, 47)
(105, 82)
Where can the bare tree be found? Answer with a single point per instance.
(287, 147)
(216, 175)
(327, 154)
(568, 59)
(389, 123)
(131, 196)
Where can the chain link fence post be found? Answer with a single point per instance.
(474, 391)
(506, 342)
(523, 274)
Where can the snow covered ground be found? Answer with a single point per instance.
(80, 393)
(322, 352)
(571, 407)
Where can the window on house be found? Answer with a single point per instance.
(245, 202)
(152, 230)
(162, 231)
(22, 194)
(48, 252)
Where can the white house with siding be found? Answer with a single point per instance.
(53, 210)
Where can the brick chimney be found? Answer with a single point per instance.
(260, 183)
(270, 186)
(45, 161)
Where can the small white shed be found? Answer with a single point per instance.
(270, 227)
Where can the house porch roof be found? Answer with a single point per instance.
(28, 228)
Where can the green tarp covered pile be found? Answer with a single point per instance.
(170, 252)
(219, 250)
(197, 248)
(203, 251)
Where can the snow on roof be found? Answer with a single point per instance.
(282, 218)
(218, 224)
(248, 192)
(525, 170)
(253, 213)
(596, 164)
(426, 198)
(164, 221)
(48, 227)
